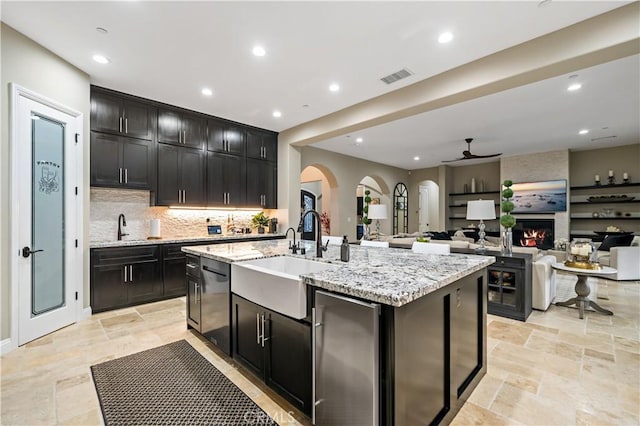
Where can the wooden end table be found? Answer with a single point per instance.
(582, 288)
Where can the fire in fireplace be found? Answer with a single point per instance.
(534, 233)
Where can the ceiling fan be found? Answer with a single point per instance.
(467, 155)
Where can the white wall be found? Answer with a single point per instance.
(32, 66)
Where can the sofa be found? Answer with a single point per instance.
(626, 260)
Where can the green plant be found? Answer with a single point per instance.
(259, 220)
(365, 208)
(507, 206)
(423, 239)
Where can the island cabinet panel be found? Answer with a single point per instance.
(275, 348)
(194, 293)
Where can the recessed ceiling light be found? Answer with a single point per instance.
(101, 59)
(259, 51)
(445, 37)
(583, 132)
(102, 30)
(277, 114)
(207, 92)
(416, 158)
(574, 86)
(358, 140)
(334, 87)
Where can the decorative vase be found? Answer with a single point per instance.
(506, 248)
(366, 232)
(260, 230)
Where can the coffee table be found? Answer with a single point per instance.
(582, 288)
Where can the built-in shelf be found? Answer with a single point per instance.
(474, 193)
(465, 205)
(574, 203)
(470, 220)
(617, 185)
(606, 218)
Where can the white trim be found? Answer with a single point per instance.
(15, 92)
(85, 313)
(6, 346)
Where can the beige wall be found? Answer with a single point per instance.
(30, 65)
(584, 165)
(349, 172)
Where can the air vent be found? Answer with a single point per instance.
(602, 138)
(398, 75)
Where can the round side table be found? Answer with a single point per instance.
(582, 288)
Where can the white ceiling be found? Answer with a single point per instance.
(168, 51)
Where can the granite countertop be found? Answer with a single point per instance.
(390, 276)
(204, 239)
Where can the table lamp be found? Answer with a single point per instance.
(481, 210)
(377, 212)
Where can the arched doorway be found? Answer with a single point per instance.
(380, 194)
(318, 187)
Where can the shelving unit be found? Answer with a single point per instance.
(457, 221)
(625, 213)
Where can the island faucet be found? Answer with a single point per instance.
(124, 223)
(294, 238)
(316, 215)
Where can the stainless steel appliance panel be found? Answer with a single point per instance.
(345, 361)
(215, 303)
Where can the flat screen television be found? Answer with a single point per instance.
(540, 197)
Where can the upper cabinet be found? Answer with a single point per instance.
(181, 176)
(120, 162)
(262, 145)
(181, 128)
(121, 116)
(225, 137)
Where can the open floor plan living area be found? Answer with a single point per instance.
(320, 213)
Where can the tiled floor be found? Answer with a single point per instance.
(555, 369)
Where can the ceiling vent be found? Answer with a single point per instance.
(398, 75)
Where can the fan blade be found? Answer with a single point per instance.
(457, 159)
(472, 156)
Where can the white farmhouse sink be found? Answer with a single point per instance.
(275, 283)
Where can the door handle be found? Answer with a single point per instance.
(26, 251)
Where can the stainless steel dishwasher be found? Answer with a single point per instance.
(215, 314)
(345, 361)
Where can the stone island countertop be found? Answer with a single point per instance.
(178, 240)
(390, 276)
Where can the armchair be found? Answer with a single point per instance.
(625, 259)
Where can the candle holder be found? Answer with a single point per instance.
(581, 254)
(625, 180)
(612, 180)
(597, 180)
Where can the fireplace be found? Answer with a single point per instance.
(534, 233)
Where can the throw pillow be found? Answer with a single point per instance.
(440, 235)
(615, 241)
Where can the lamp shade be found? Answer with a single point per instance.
(481, 209)
(377, 211)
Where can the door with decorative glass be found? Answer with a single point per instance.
(46, 215)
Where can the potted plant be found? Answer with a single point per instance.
(365, 218)
(507, 220)
(259, 221)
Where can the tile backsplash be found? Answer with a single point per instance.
(107, 204)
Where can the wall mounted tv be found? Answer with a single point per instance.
(540, 197)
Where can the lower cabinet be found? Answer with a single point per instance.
(509, 280)
(194, 295)
(274, 347)
(124, 276)
(174, 261)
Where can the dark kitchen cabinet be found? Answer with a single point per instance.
(180, 176)
(122, 116)
(261, 184)
(274, 347)
(121, 162)
(174, 262)
(225, 180)
(225, 137)
(509, 282)
(124, 276)
(180, 127)
(262, 145)
(194, 293)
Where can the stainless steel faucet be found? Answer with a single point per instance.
(319, 247)
(293, 246)
(122, 220)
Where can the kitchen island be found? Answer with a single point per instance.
(398, 338)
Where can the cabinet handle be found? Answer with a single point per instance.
(184, 196)
(258, 328)
(126, 175)
(196, 287)
(228, 198)
(120, 178)
(263, 331)
(184, 137)
(130, 273)
(179, 136)
(125, 273)
(126, 125)
(120, 126)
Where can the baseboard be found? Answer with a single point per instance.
(86, 313)
(6, 346)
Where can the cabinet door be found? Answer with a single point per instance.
(144, 282)
(234, 180)
(169, 127)
(288, 359)
(192, 176)
(215, 135)
(106, 112)
(108, 290)
(138, 120)
(168, 179)
(468, 311)
(255, 183)
(136, 161)
(106, 161)
(193, 303)
(269, 174)
(247, 349)
(254, 144)
(216, 189)
(173, 276)
(234, 136)
(192, 131)
(270, 146)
